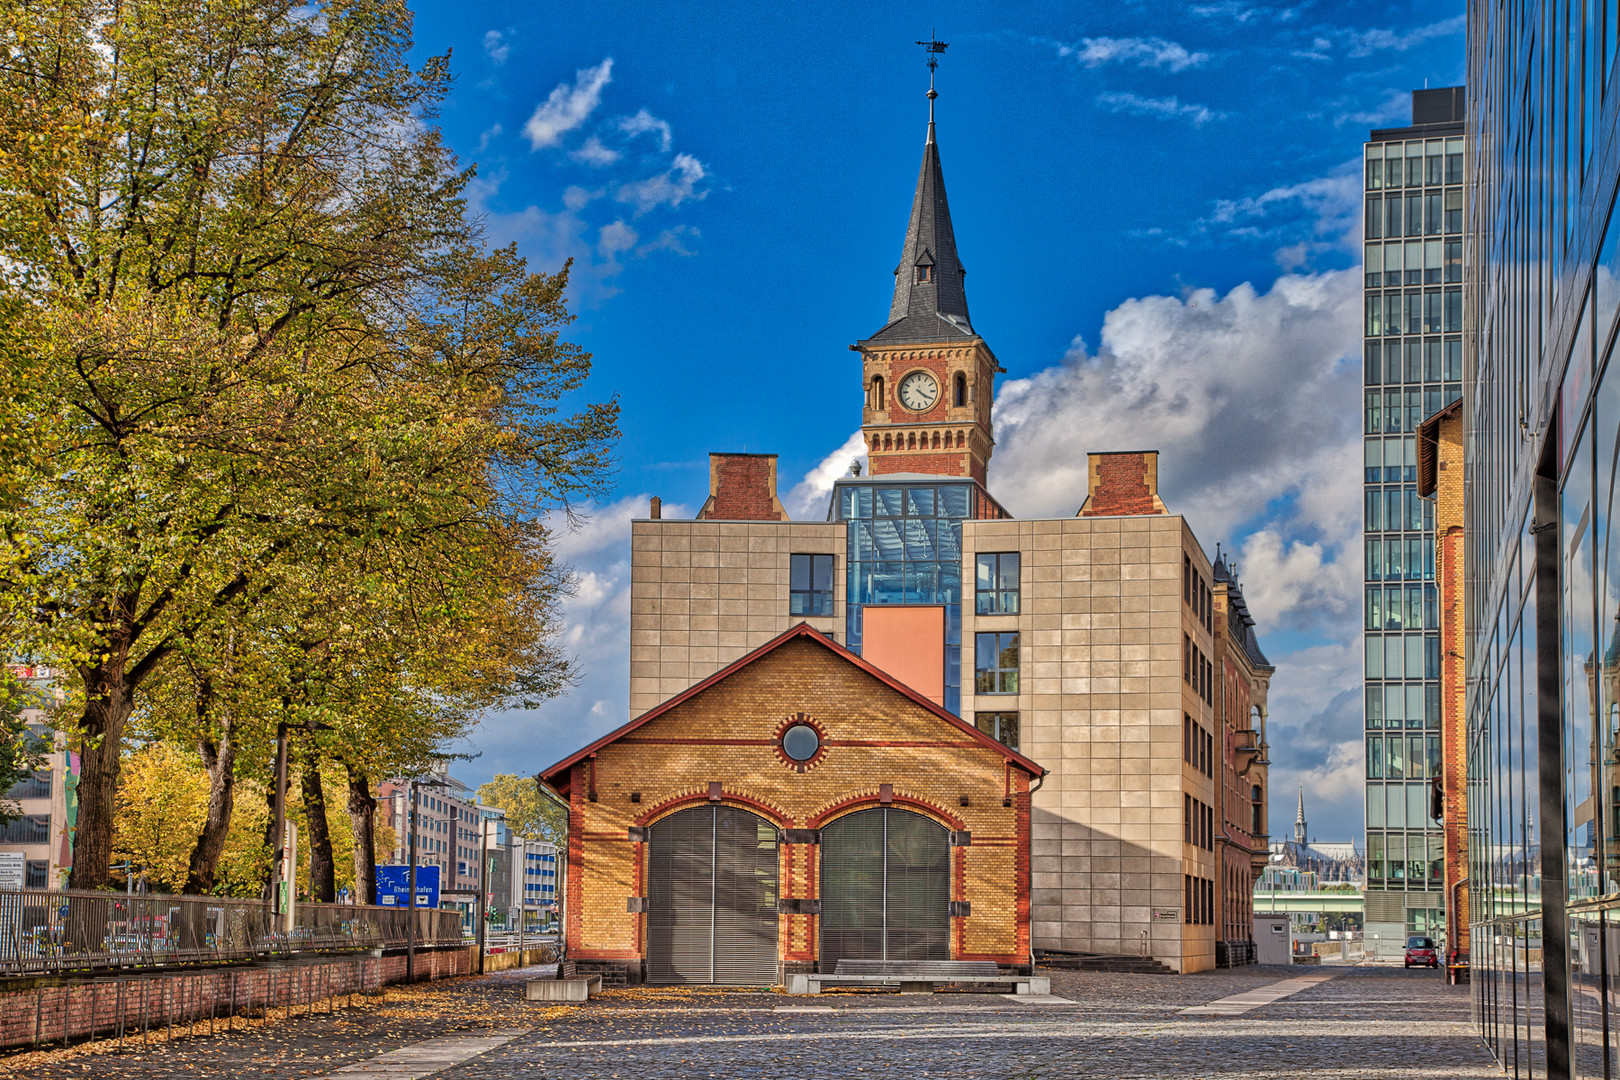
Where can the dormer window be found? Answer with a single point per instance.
(925, 274)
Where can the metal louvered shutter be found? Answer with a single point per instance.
(712, 884)
(885, 888)
(745, 919)
(918, 892)
(680, 898)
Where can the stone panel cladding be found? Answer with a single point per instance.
(1100, 703)
(1452, 580)
(742, 487)
(876, 737)
(703, 593)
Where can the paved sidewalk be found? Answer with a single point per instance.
(1356, 1025)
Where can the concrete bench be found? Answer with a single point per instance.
(915, 976)
(582, 988)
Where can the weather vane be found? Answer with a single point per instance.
(934, 48)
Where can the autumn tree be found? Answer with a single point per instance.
(528, 813)
(267, 342)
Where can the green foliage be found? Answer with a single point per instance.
(528, 813)
(290, 425)
(21, 751)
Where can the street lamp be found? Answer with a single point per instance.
(283, 729)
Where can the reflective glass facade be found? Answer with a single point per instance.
(905, 547)
(1412, 366)
(1542, 422)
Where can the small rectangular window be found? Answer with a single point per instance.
(995, 663)
(1453, 212)
(810, 585)
(1374, 265)
(38, 874)
(1372, 372)
(996, 583)
(1453, 259)
(1000, 726)
(1431, 214)
(1375, 217)
(1454, 310)
(1414, 215)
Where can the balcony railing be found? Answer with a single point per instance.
(51, 931)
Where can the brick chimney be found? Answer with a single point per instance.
(742, 487)
(1122, 483)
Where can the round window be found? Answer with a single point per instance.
(800, 742)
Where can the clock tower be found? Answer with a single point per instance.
(929, 379)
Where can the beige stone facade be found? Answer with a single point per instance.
(703, 593)
(1116, 647)
(1102, 703)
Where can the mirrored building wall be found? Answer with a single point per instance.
(1542, 422)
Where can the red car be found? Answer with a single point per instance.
(1421, 951)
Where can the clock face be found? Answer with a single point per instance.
(919, 391)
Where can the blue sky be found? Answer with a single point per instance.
(1157, 205)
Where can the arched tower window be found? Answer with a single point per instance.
(961, 389)
(877, 393)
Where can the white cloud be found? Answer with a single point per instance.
(1394, 108)
(595, 631)
(672, 240)
(487, 136)
(592, 152)
(1152, 52)
(1169, 108)
(644, 122)
(496, 46)
(1332, 204)
(568, 106)
(673, 186)
(616, 238)
(808, 499)
(1367, 42)
(1244, 393)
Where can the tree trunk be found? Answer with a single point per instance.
(363, 814)
(109, 701)
(219, 759)
(322, 871)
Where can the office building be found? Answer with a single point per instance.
(1541, 425)
(1413, 366)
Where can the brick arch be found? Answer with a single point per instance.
(700, 797)
(869, 800)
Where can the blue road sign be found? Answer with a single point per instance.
(394, 886)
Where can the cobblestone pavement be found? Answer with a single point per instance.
(1361, 1023)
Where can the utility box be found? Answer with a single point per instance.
(1273, 939)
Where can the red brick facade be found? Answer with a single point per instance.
(1123, 483)
(742, 487)
(1440, 476)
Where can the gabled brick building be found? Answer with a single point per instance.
(796, 807)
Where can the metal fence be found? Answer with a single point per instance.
(50, 931)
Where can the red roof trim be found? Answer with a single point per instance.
(794, 633)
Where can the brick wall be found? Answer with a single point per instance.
(1450, 572)
(1122, 483)
(57, 1010)
(742, 487)
(726, 734)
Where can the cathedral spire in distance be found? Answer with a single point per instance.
(1299, 819)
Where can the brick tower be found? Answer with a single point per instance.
(929, 378)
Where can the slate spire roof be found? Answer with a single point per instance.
(930, 303)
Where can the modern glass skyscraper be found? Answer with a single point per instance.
(1542, 434)
(1413, 351)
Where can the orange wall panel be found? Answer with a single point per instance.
(908, 642)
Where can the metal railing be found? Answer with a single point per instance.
(49, 931)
